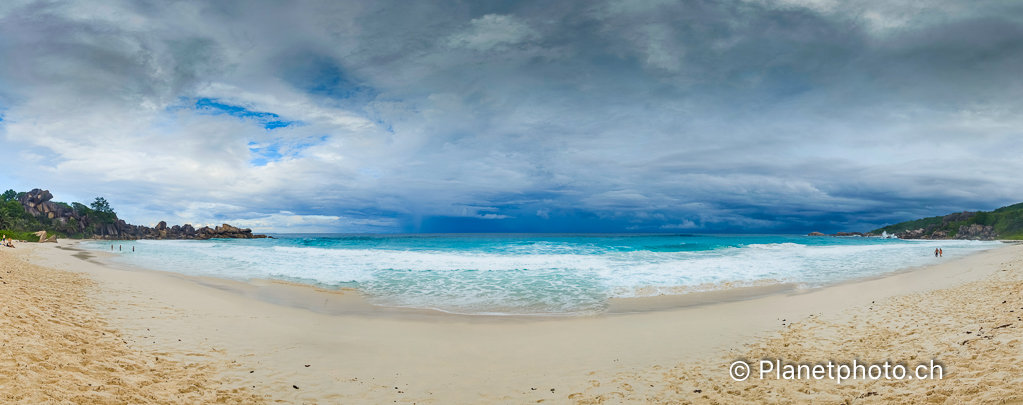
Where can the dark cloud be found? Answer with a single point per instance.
(692, 116)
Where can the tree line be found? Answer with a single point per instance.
(13, 217)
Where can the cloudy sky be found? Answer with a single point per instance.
(450, 116)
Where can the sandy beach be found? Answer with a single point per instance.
(58, 347)
(511, 202)
(70, 319)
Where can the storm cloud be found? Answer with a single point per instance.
(396, 116)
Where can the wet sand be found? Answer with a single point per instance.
(271, 337)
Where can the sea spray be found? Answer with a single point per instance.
(538, 274)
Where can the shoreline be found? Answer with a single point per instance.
(367, 358)
(350, 301)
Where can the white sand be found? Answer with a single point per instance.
(357, 353)
(56, 348)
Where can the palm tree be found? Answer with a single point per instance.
(72, 226)
(6, 218)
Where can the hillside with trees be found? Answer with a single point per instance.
(33, 211)
(1002, 223)
(82, 222)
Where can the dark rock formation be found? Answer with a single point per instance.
(976, 232)
(935, 231)
(956, 217)
(868, 234)
(37, 203)
(914, 234)
(125, 231)
(972, 232)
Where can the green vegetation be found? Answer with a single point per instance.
(25, 236)
(1007, 222)
(100, 205)
(15, 219)
(1013, 207)
(909, 225)
(101, 213)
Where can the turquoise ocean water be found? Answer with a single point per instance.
(540, 274)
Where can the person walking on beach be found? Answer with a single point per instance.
(935, 252)
(941, 253)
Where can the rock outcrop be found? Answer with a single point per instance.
(935, 231)
(37, 203)
(1004, 223)
(44, 239)
(912, 234)
(976, 231)
(867, 234)
(852, 234)
(125, 231)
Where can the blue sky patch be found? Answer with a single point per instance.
(269, 120)
(262, 155)
(279, 149)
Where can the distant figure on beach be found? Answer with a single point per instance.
(936, 251)
(133, 248)
(941, 253)
(111, 248)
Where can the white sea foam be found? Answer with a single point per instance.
(545, 277)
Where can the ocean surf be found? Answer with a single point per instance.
(535, 274)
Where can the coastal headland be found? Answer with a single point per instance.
(267, 341)
(1004, 223)
(100, 221)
